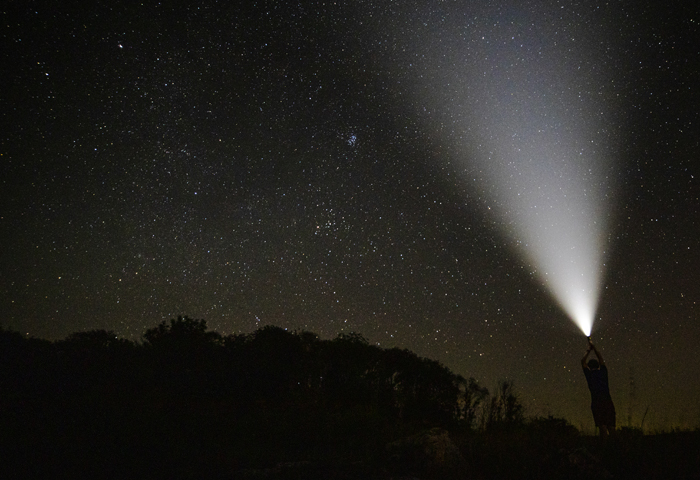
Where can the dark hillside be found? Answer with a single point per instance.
(190, 403)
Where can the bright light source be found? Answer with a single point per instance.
(530, 116)
(558, 217)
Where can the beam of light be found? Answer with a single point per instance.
(552, 200)
(555, 213)
(529, 115)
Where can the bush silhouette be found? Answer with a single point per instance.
(187, 402)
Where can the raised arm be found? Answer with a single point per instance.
(588, 352)
(598, 355)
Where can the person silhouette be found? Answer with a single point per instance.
(601, 402)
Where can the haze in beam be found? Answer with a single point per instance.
(523, 96)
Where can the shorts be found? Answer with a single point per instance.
(603, 412)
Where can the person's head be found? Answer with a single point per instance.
(593, 364)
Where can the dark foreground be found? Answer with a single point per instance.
(188, 403)
(191, 447)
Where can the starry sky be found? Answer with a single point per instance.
(327, 166)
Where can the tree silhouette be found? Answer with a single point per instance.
(183, 356)
(473, 397)
(183, 333)
(190, 403)
(505, 409)
(273, 362)
(349, 370)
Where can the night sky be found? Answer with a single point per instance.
(317, 166)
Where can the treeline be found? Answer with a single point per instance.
(186, 392)
(185, 402)
(271, 367)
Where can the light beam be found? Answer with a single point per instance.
(527, 95)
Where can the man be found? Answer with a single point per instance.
(601, 403)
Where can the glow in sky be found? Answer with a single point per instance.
(526, 99)
(550, 203)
